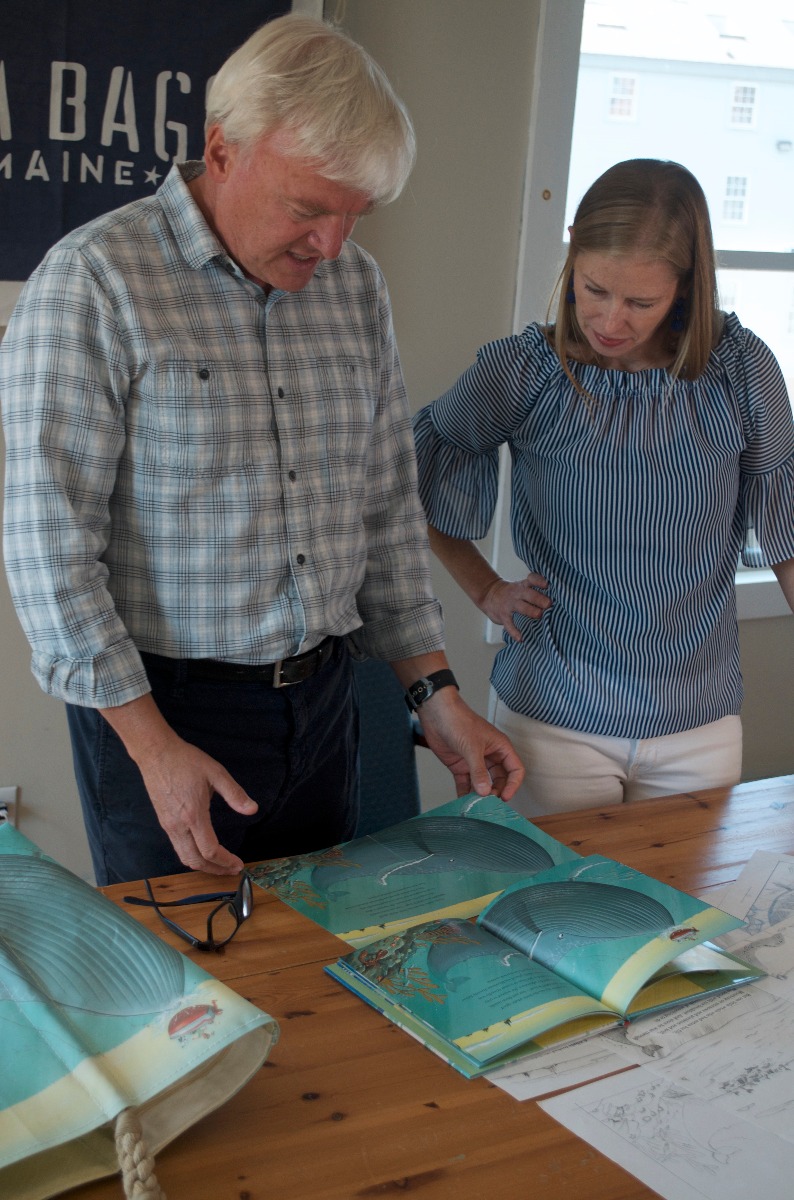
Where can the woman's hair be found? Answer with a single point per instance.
(309, 80)
(656, 210)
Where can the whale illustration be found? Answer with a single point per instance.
(63, 942)
(551, 919)
(433, 845)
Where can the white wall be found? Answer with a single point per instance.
(449, 245)
(448, 248)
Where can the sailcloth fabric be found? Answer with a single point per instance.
(98, 1015)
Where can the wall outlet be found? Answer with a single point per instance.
(8, 804)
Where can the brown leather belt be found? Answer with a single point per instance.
(283, 673)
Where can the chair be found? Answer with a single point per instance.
(389, 787)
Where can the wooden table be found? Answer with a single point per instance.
(350, 1108)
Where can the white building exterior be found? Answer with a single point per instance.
(710, 84)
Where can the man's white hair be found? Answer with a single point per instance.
(310, 81)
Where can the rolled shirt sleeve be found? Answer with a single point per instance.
(767, 462)
(64, 382)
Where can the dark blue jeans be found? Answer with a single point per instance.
(293, 749)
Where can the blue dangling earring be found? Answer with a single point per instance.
(570, 295)
(678, 315)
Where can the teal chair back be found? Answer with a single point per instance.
(389, 789)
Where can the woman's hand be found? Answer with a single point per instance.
(498, 598)
(503, 599)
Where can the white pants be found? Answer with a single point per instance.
(567, 770)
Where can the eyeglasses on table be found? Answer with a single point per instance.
(232, 908)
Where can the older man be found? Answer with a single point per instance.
(211, 483)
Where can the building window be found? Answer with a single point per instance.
(743, 105)
(734, 203)
(728, 289)
(623, 98)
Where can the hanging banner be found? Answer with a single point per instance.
(97, 100)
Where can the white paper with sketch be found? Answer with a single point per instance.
(713, 1116)
(682, 1146)
(745, 1066)
(737, 1049)
(763, 895)
(567, 1066)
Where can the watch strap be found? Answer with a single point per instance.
(427, 686)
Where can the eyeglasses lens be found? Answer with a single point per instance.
(224, 922)
(226, 919)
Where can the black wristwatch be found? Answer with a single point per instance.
(427, 686)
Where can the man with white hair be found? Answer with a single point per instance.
(211, 484)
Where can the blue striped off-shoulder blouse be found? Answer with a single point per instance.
(635, 509)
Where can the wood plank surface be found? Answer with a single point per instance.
(349, 1107)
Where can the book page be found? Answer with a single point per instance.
(472, 989)
(601, 925)
(760, 892)
(447, 862)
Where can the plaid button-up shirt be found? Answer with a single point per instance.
(200, 470)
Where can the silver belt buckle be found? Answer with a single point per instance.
(277, 680)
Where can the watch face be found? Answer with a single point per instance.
(419, 691)
(427, 686)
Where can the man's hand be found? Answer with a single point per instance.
(180, 783)
(480, 757)
(180, 780)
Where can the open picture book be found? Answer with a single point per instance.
(449, 861)
(487, 939)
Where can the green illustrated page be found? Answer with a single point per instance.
(466, 994)
(602, 926)
(695, 972)
(97, 1014)
(450, 861)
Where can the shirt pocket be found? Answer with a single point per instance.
(201, 418)
(341, 399)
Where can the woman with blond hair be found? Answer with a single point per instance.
(650, 434)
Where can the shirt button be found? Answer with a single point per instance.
(280, 393)
(204, 373)
(301, 559)
(293, 475)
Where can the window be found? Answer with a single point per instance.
(743, 106)
(622, 98)
(733, 204)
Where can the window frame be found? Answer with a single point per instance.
(616, 97)
(738, 105)
(735, 195)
